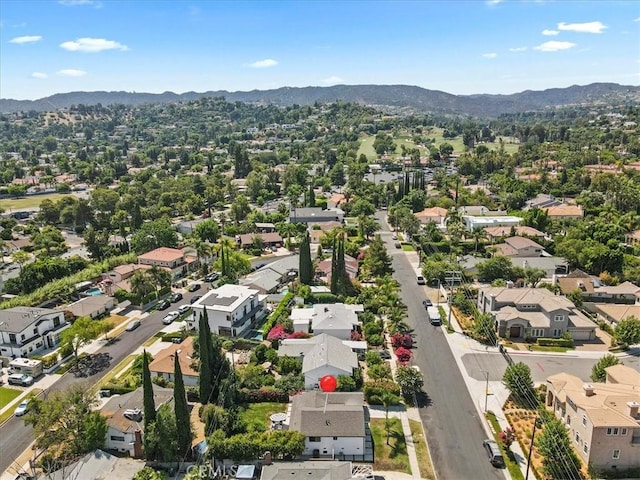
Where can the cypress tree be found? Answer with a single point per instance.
(312, 196)
(334, 277)
(306, 267)
(149, 405)
(204, 339)
(181, 410)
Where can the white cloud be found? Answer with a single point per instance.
(491, 3)
(39, 75)
(71, 72)
(554, 46)
(490, 55)
(333, 80)
(75, 3)
(92, 45)
(550, 33)
(518, 49)
(636, 19)
(266, 63)
(26, 39)
(587, 27)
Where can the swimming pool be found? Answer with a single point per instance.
(93, 292)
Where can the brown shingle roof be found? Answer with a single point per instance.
(162, 254)
(163, 361)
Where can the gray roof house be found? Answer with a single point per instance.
(309, 470)
(299, 347)
(337, 319)
(24, 331)
(534, 312)
(329, 356)
(333, 423)
(315, 215)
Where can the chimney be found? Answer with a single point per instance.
(633, 408)
(137, 444)
(588, 390)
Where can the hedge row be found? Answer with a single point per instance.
(277, 313)
(262, 395)
(555, 342)
(323, 298)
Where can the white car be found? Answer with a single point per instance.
(170, 317)
(22, 408)
(132, 326)
(184, 309)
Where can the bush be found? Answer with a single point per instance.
(262, 395)
(375, 340)
(324, 298)
(50, 360)
(555, 342)
(169, 337)
(280, 311)
(245, 344)
(117, 388)
(373, 391)
(65, 350)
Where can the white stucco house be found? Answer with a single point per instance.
(231, 309)
(336, 319)
(328, 356)
(24, 331)
(333, 424)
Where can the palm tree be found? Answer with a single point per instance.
(388, 399)
(288, 230)
(160, 277)
(141, 283)
(478, 233)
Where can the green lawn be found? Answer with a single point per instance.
(259, 413)
(538, 348)
(7, 395)
(9, 412)
(407, 247)
(392, 457)
(30, 201)
(422, 450)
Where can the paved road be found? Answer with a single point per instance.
(454, 430)
(15, 436)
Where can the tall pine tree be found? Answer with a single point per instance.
(204, 344)
(334, 277)
(181, 410)
(340, 281)
(306, 266)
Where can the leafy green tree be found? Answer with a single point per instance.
(377, 262)
(81, 332)
(207, 231)
(181, 410)
(50, 239)
(154, 234)
(558, 458)
(410, 381)
(517, 378)
(340, 281)
(67, 425)
(205, 349)
(627, 331)
(496, 268)
(598, 372)
(533, 275)
(20, 257)
(149, 405)
(240, 208)
(161, 436)
(306, 265)
(148, 473)
(484, 328)
(142, 284)
(576, 297)
(346, 383)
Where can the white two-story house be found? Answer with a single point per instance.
(231, 309)
(24, 331)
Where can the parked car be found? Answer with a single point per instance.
(184, 309)
(170, 317)
(194, 299)
(163, 305)
(427, 303)
(21, 379)
(133, 325)
(398, 245)
(22, 408)
(212, 277)
(175, 297)
(394, 237)
(494, 453)
(193, 287)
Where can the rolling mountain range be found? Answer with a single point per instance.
(406, 98)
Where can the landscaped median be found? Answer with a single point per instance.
(509, 458)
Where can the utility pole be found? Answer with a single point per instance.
(533, 435)
(486, 392)
(451, 277)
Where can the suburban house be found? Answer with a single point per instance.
(329, 356)
(94, 306)
(519, 247)
(593, 290)
(603, 419)
(120, 275)
(270, 277)
(435, 215)
(338, 319)
(564, 212)
(320, 470)
(271, 239)
(533, 313)
(495, 233)
(124, 415)
(543, 200)
(480, 211)
(24, 331)
(172, 259)
(471, 222)
(315, 215)
(317, 230)
(265, 227)
(162, 364)
(231, 309)
(299, 347)
(99, 464)
(614, 312)
(552, 266)
(632, 238)
(323, 268)
(334, 424)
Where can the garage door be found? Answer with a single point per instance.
(582, 334)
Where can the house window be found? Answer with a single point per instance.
(557, 332)
(585, 448)
(12, 338)
(537, 332)
(22, 336)
(623, 431)
(335, 438)
(35, 331)
(56, 322)
(115, 438)
(577, 437)
(228, 318)
(584, 420)
(568, 419)
(612, 431)
(616, 454)
(314, 439)
(558, 318)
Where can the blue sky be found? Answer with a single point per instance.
(457, 46)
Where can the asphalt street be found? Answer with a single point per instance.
(16, 437)
(453, 427)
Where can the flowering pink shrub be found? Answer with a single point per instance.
(507, 437)
(401, 340)
(298, 335)
(277, 333)
(356, 336)
(403, 355)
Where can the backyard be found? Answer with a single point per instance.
(392, 457)
(259, 413)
